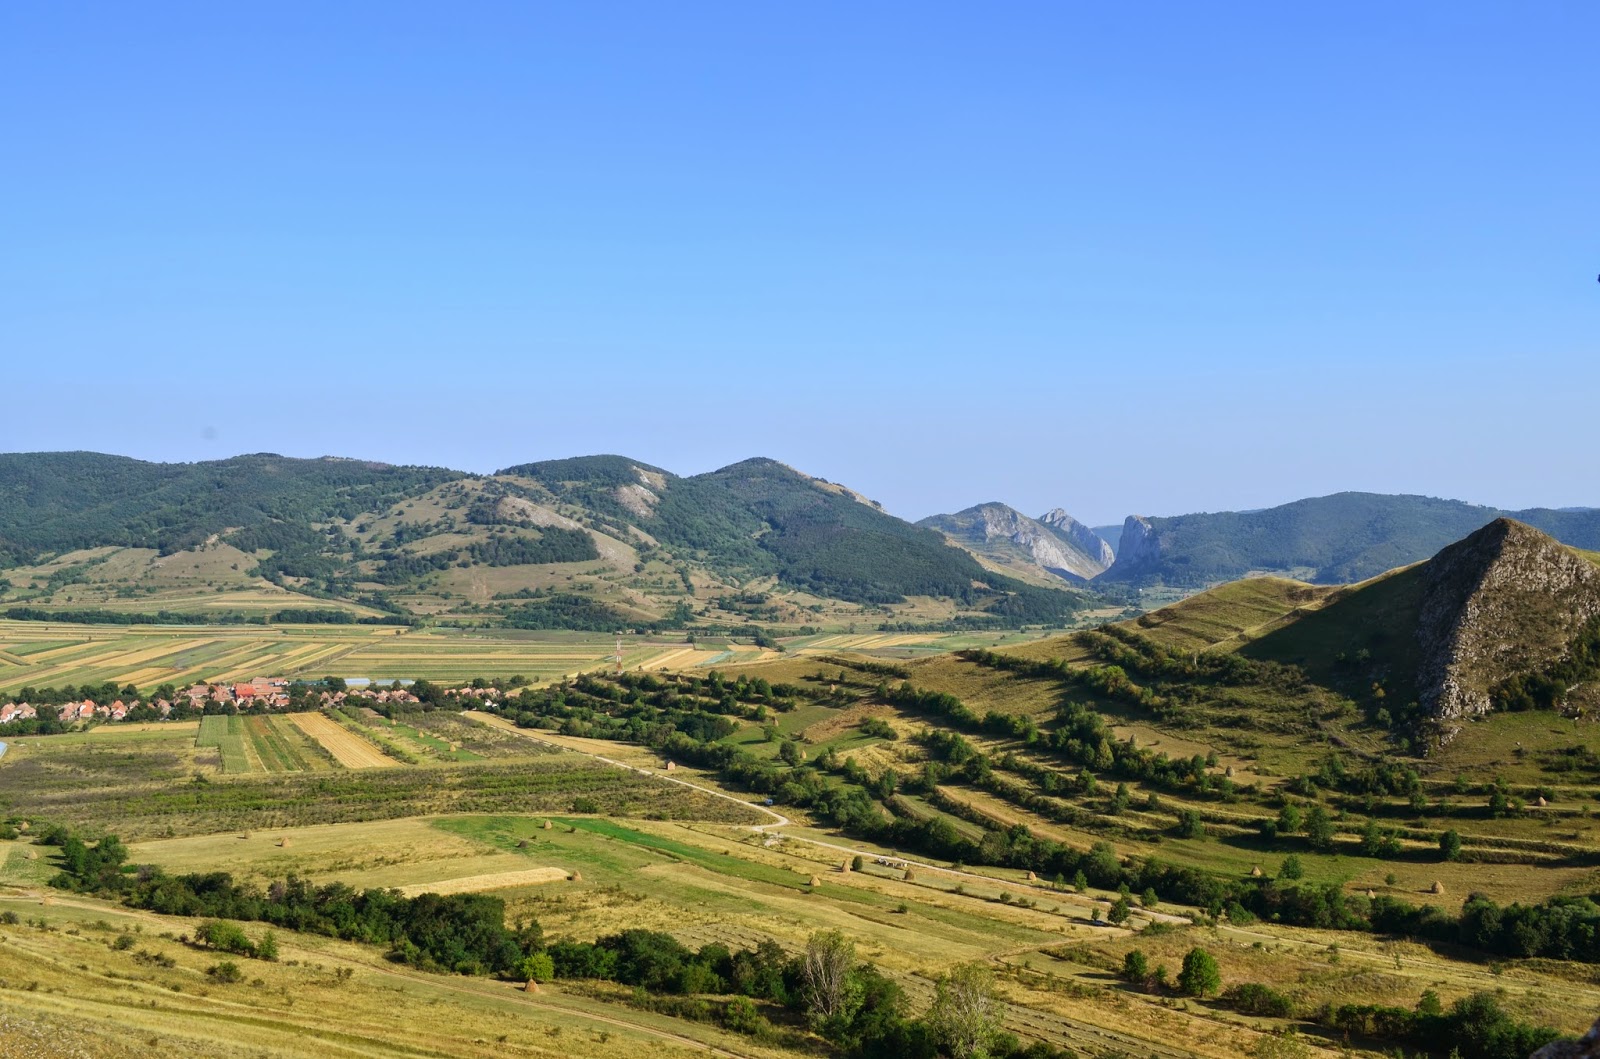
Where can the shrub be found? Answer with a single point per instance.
(1252, 998)
(227, 972)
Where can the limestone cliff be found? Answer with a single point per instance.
(1505, 601)
(1011, 539)
(1139, 550)
(1078, 536)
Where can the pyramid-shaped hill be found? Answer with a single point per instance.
(1508, 617)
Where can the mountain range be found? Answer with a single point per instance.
(608, 542)
(598, 542)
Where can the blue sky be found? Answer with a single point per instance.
(1119, 258)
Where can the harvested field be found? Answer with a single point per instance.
(348, 748)
(472, 884)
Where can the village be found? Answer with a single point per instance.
(259, 694)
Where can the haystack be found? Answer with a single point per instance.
(1438, 888)
(33, 854)
(1032, 877)
(845, 867)
(531, 987)
(23, 826)
(1370, 894)
(1539, 801)
(815, 881)
(522, 843)
(548, 825)
(576, 876)
(1255, 871)
(911, 876)
(284, 843)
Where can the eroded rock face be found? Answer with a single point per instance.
(1505, 600)
(1079, 536)
(1056, 547)
(1140, 546)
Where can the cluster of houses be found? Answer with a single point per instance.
(87, 710)
(268, 692)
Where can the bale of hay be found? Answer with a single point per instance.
(1032, 877)
(23, 827)
(1255, 871)
(33, 854)
(815, 881)
(576, 876)
(1540, 801)
(531, 987)
(522, 843)
(910, 875)
(548, 825)
(1437, 888)
(284, 843)
(1370, 894)
(845, 867)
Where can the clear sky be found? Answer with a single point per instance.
(1124, 258)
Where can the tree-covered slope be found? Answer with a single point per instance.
(763, 518)
(1334, 539)
(59, 501)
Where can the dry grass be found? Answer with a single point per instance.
(348, 748)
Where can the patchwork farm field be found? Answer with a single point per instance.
(47, 654)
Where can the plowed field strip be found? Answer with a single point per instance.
(347, 748)
(472, 884)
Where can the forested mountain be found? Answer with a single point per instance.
(590, 542)
(1326, 540)
(1055, 545)
(59, 501)
(760, 518)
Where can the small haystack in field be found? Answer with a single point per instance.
(522, 843)
(284, 843)
(33, 854)
(910, 875)
(576, 876)
(1032, 877)
(1255, 871)
(548, 825)
(1437, 888)
(531, 987)
(816, 881)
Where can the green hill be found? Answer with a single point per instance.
(60, 501)
(1334, 539)
(599, 542)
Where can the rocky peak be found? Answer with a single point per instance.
(1140, 546)
(1079, 536)
(1507, 599)
(1007, 535)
